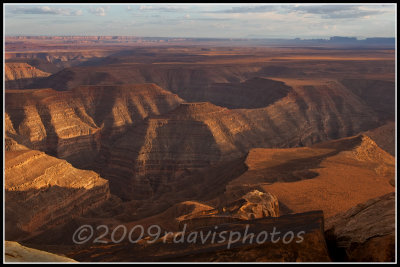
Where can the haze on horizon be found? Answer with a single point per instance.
(203, 20)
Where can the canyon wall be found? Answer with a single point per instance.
(71, 124)
(168, 147)
(42, 192)
(21, 75)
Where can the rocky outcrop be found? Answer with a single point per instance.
(11, 145)
(258, 205)
(42, 192)
(51, 61)
(16, 71)
(240, 85)
(20, 75)
(297, 237)
(15, 252)
(377, 94)
(332, 176)
(384, 136)
(200, 134)
(181, 79)
(365, 232)
(253, 205)
(143, 137)
(70, 125)
(163, 149)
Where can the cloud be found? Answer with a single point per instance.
(336, 11)
(79, 12)
(99, 11)
(162, 8)
(41, 10)
(325, 11)
(246, 9)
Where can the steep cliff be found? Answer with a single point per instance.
(70, 125)
(20, 75)
(385, 137)
(197, 135)
(42, 191)
(15, 71)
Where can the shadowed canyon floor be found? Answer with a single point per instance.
(202, 138)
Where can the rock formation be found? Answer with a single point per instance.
(258, 205)
(42, 191)
(54, 61)
(384, 136)
(11, 145)
(197, 135)
(16, 71)
(377, 94)
(253, 205)
(70, 125)
(332, 176)
(312, 247)
(15, 252)
(20, 75)
(199, 139)
(365, 232)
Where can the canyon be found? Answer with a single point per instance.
(202, 137)
(19, 75)
(34, 178)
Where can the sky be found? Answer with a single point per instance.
(203, 20)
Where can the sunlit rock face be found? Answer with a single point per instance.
(199, 134)
(71, 125)
(259, 205)
(14, 252)
(20, 75)
(43, 192)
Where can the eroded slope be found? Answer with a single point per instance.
(71, 125)
(42, 191)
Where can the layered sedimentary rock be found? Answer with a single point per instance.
(43, 191)
(253, 205)
(160, 150)
(181, 79)
(15, 252)
(232, 85)
(16, 71)
(20, 75)
(365, 232)
(197, 135)
(384, 136)
(380, 95)
(53, 61)
(11, 145)
(70, 125)
(257, 204)
(152, 151)
(332, 176)
(300, 238)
